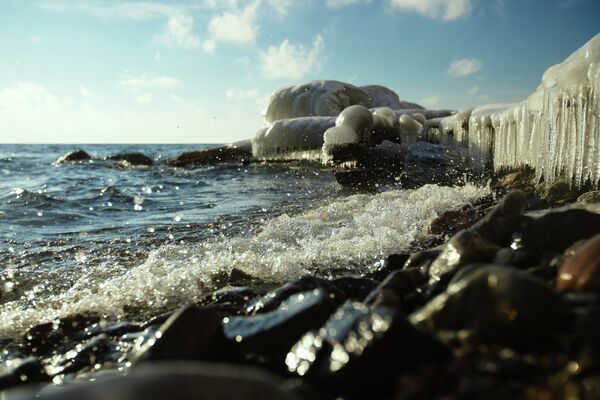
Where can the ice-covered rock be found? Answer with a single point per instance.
(556, 129)
(380, 96)
(316, 98)
(410, 128)
(383, 118)
(292, 139)
(352, 126)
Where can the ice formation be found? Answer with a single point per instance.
(556, 129)
(351, 126)
(383, 118)
(292, 139)
(410, 128)
(380, 96)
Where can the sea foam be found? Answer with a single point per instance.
(350, 232)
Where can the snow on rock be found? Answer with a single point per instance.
(383, 118)
(292, 139)
(380, 96)
(351, 126)
(556, 129)
(316, 98)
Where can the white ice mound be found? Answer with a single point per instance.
(351, 126)
(556, 130)
(316, 98)
(292, 139)
(383, 118)
(380, 96)
(410, 128)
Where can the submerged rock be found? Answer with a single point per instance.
(495, 304)
(580, 271)
(74, 156)
(134, 159)
(360, 350)
(268, 336)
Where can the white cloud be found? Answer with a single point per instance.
(237, 26)
(143, 99)
(138, 11)
(85, 92)
(291, 61)
(150, 82)
(242, 94)
(36, 39)
(473, 90)
(431, 101)
(445, 10)
(281, 6)
(178, 32)
(27, 95)
(464, 67)
(343, 3)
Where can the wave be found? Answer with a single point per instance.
(345, 233)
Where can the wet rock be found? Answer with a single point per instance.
(580, 271)
(177, 380)
(355, 287)
(393, 262)
(589, 197)
(22, 371)
(230, 300)
(267, 337)
(236, 277)
(192, 333)
(272, 300)
(391, 292)
(228, 153)
(365, 178)
(558, 193)
(113, 329)
(135, 159)
(504, 219)
(360, 350)
(86, 354)
(464, 248)
(453, 221)
(422, 260)
(555, 230)
(44, 337)
(495, 304)
(74, 156)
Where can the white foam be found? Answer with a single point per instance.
(350, 231)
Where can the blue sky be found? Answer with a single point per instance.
(201, 71)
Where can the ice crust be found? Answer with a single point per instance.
(349, 232)
(556, 130)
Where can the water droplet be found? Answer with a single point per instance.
(40, 214)
(137, 207)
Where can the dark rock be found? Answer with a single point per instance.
(192, 333)
(464, 248)
(453, 221)
(74, 156)
(355, 287)
(136, 159)
(44, 337)
(365, 178)
(235, 277)
(23, 371)
(580, 271)
(395, 287)
(228, 153)
(522, 257)
(555, 230)
(422, 260)
(267, 337)
(83, 355)
(114, 329)
(272, 300)
(393, 262)
(557, 193)
(230, 300)
(495, 304)
(178, 381)
(504, 219)
(360, 350)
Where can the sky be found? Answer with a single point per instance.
(202, 71)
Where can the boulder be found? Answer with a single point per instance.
(74, 156)
(134, 159)
(235, 152)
